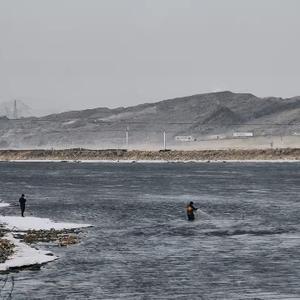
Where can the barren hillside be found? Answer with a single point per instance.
(213, 116)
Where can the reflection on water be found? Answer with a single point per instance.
(244, 243)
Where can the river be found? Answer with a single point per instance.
(244, 243)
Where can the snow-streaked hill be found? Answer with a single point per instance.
(203, 116)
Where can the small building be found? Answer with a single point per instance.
(242, 134)
(184, 138)
(216, 137)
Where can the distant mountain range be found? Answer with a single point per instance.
(204, 117)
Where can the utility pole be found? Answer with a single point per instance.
(165, 140)
(15, 113)
(127, 137)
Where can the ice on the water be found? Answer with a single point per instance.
(3, 204)
(34, 223)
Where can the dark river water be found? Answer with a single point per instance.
(244, 243)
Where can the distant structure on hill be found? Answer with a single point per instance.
(15, 109)
(184, 138)
(243, 134)
(15, 113)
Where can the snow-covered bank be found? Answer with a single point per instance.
(33, 223)
(25, 256)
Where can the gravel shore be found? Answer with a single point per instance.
(61, 238)
(6, 248)
(174, 155)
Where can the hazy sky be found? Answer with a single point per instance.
(73, 54)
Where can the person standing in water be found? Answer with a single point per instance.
(22, 201)
(190, 211)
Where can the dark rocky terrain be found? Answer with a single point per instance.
(205, 117)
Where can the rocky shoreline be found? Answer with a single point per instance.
(78, 154)
(58, 237)
(61, 238)
(6, 248)
(18, 235)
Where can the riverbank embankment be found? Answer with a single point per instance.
(78, 154)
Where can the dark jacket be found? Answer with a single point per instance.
(191, 208)
(22, 201)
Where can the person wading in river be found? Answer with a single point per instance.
(22, 201)
(190, 211)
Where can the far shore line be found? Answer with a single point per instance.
(81, 155)
(152, 161)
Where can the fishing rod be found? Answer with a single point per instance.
(203, 212)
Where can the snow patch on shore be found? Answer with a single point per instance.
(25, 256)
(3, 204)
(33, 223)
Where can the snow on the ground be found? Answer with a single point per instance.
(34, 223)
(25, 256)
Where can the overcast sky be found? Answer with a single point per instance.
(74, 54)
